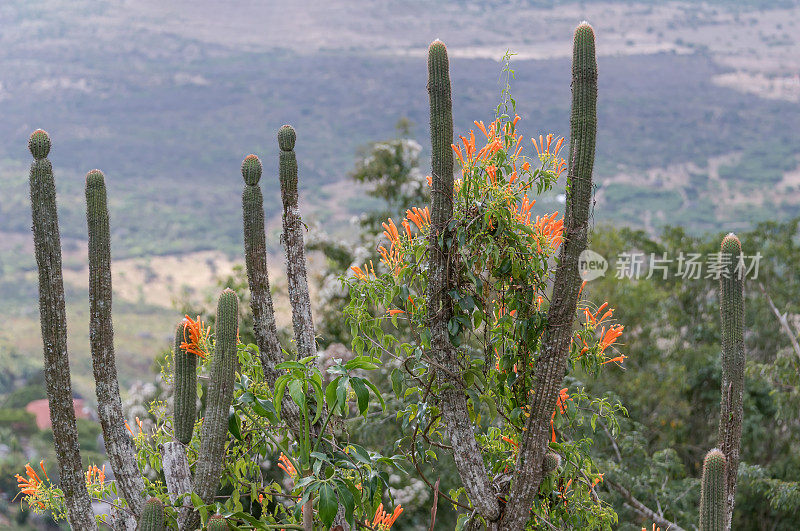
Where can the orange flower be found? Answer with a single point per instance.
(286, 465)
(197, 335)
(31, 485)
(96, 474)
(383, 520)
(394, 312)
(610, 336)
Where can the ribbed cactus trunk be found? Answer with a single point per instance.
(255, 253)
(453, 400)
(152, 518)
(712, 492)
(296, 276)
(118, 442)
(184, 402)
(52, 311)
(217, 523)
(214, 434)
(733, 361)
(551, 363)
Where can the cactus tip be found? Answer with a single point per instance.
(286, 138)
(251, 170)
(95, 178)
(731, 243)
(39, 144)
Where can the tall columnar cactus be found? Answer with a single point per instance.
(551, 363)
(184, 408)
(466, 451)
(152, 518)
(731, 294)
(255, 252)
(118, 442)
(296, 276)
(214, 432)
(712, 492)
(52, 310)
(217, 523)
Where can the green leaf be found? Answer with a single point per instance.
(397, 382)
(361, 362)
(362, 393)
(234, 424)
(298, 394)
(377, 394)
(328, 504)
(280, 387)
(290, 365)
(330, 394)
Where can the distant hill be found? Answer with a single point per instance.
(698, 113)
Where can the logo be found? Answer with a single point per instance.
(591, 265)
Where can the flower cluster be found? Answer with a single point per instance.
(195, 337)
(383, 521)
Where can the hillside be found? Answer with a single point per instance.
(698, 121)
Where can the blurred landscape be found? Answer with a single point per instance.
(699, 127)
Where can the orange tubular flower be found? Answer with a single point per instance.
(286, 465)
(383, 520)
(610, 336)
(394, 312)
(30, 486)
(196, 335)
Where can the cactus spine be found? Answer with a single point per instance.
(217, 523)
(214, 433)
(184, 410)
(255, 252)
(296, 276)
(152, 518)
(712, 492)
(733, 362)
(52, 310)
(551, 364)
(119, 444)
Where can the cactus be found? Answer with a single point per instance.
(47, 244)
(733, 362)
(214, 432)
(551, 365)
(551, 462)
(296, 276)
(184, 411)
(152, 518)
(255, 252)
(217, 523)
(453, 400)
(712, 492)
(119, 444)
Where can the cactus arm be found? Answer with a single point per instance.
(453, 402)
(119, 444)
(551, 363)
(184, 407)
(152, 518)
(712, 492)
(296, 276)
(214, 434)
(52, 309)
(733, 362)
(255, 252)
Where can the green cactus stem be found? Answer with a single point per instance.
(255, 252)
(551, 364)
(152, 518)
(731, 294)
(453, 400)
(551, 462)
(118, 442)
(296, 276)
(184, 404)
(217, 523)
(214, 433)
(712, 492)
(52, 311)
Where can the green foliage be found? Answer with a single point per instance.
(21, 422)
